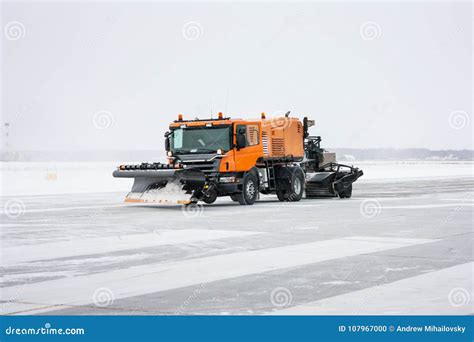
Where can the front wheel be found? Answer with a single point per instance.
(249, 190)
(210, 197)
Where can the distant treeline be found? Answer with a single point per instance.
(402, 154)
(343, 154)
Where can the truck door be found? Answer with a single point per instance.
(246, 156)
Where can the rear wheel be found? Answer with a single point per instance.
(249, 190)
(297, 185)
(292, 185)
(234, 198)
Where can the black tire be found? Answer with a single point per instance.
(283, 175)
(292, 184)
(249, 190)
(234, 198)
(211, 197)
(281, 194)
(296, 184)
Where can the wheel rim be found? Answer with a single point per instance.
(250, 189)
(297, 186)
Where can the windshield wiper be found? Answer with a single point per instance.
(195, 150)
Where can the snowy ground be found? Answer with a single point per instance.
(401, 245)
(41, 178)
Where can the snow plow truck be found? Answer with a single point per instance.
(240, 158)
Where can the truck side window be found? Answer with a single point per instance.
(252, 135)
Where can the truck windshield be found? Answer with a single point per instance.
(200, 140)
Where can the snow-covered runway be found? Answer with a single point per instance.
(399, 246)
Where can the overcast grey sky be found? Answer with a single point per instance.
(113, 75)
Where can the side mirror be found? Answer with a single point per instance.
(167, 141)
(240, 137)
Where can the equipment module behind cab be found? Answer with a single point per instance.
(241, 158)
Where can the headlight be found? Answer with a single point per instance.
(227, 179)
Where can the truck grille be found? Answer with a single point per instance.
(207, 168)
